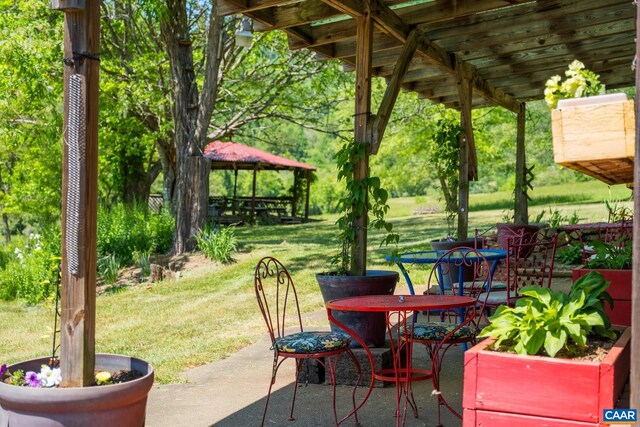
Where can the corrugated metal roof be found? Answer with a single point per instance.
(233, 155)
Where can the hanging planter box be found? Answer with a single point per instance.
(596, 136)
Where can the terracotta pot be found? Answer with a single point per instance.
(371, 327)
(121, 405)
(506, 230)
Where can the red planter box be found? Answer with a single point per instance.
(503, 389)
(620, 291)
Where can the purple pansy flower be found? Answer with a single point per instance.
(32, 379)
(3, 369)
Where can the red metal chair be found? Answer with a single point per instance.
(530, 261)
(454, 327)
(278, 302)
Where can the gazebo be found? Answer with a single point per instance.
(235, 156)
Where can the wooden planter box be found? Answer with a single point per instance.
(597, 139)
(620, 291)
(504, 390)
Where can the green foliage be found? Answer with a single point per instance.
(579, 82)
(32, 272)
(108, 267)
(125, 229)
(546, 321)
(358, 201)
(444, 156)
(556, 218)
(143, 261)
(611, 256)
(571, 254)
(30, 111)
(217, 243)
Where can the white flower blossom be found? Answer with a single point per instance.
(49, 377)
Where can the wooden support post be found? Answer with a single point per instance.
(306, 203)
(521, 209)
(634, 380)
(364, 53)
(79, 214)
(379, 124)
(253, 196)
(296, 179)
(468, 160)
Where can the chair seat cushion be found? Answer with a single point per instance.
(498, 286)
(312, 342)
(497, 297)
(436, 331)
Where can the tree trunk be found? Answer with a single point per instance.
(191, 115)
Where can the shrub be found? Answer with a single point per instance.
(31, 272)
(125, 229)
(217, 243)
(108, 267)
(143, 261)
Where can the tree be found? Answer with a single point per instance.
(215, 88)
(30, 113)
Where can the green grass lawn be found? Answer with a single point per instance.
(179, 324)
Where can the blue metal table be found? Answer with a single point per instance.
(432, 256)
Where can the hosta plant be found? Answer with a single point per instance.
(544, 322)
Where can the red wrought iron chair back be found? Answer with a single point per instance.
(531, 259)
(619, 235)
(277, 297)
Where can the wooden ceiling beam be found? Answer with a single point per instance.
(427, 12)
(536, 19)
(596, 61)
(385, 109)
(230, 7)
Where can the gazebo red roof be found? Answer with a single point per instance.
(233, 155)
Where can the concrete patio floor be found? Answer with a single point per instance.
(231, 393)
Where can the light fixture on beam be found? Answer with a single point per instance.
(244, 35)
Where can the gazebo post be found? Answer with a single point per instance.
(253, 196)
(79, 191)
(296, 179)
(306, 203)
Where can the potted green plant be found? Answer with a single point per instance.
(613, 261)
(527, 371)
(361, 195)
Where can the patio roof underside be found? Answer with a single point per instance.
(507, 49)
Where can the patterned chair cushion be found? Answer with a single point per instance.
(312, 342)
(436, 331)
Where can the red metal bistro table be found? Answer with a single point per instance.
(399, 311)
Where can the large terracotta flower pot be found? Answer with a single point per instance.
(506, 389)
(122, 405)
(371, 327)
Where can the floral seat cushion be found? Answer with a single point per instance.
(312, 342)
(436, 331)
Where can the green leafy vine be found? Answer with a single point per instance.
(362, 195)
